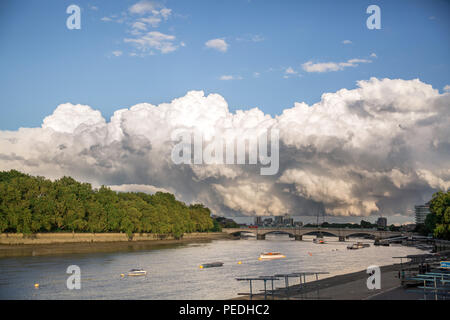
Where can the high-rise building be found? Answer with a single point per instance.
(421, 213)
(258, 221)
(288, 221)
(279, 220)
(382, 222)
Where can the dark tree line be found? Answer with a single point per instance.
(34, 204)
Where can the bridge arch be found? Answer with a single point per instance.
(360, 233)
(325, 233)
(291, 234)
(241, 232)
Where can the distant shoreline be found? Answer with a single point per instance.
(15, 245)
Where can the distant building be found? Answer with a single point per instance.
(268, 221)
(408, 227)
(421, 213)
(258, 221)
(382, 222)
(298, 224)
(288, 221)
(279, 220)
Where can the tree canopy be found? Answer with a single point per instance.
(34, 204)
(440, 215)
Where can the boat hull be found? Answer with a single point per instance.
(137, 274)
(262, 257)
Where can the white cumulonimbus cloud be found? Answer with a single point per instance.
(377, 149)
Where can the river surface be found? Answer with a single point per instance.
(174, 273)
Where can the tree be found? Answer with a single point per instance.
(216, 226)
(430, 224)
(440, 208)
(34, 204)
(366, 224)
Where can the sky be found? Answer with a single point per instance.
(44, 64)
(255, 63)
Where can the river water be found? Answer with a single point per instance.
(173, 272)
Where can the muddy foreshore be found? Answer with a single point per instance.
(14, 245)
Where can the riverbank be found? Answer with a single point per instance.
(13, 245)
(350, 286)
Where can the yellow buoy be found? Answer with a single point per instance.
(239, 262)
(36, 285)
(122, 275)
(260, 259)
(201, 267)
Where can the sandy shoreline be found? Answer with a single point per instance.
(40, 249)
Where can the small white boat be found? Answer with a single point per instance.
(270, 256)
(137, 272)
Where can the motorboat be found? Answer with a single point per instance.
(270, 256)
(211, 265)
(137, 272)
(319, 240)
(358, 245)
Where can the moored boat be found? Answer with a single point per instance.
(137, 272)
(271, 256)
(358, 245)
(319, 241)
(211, 265)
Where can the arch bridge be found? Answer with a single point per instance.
(298, 233)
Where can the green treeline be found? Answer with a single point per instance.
(438, 221)
(34, 204)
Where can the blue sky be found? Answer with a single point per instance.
(258, 61)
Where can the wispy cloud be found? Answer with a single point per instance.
(347, 42)
(230, 77)
(140, 18)
(332, 66)
(143, 7)
(156, 40)
(251, 38)
(217, 44)
(289, 72)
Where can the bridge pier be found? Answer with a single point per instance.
(260, 237)
(341, 238)
(298, 237)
